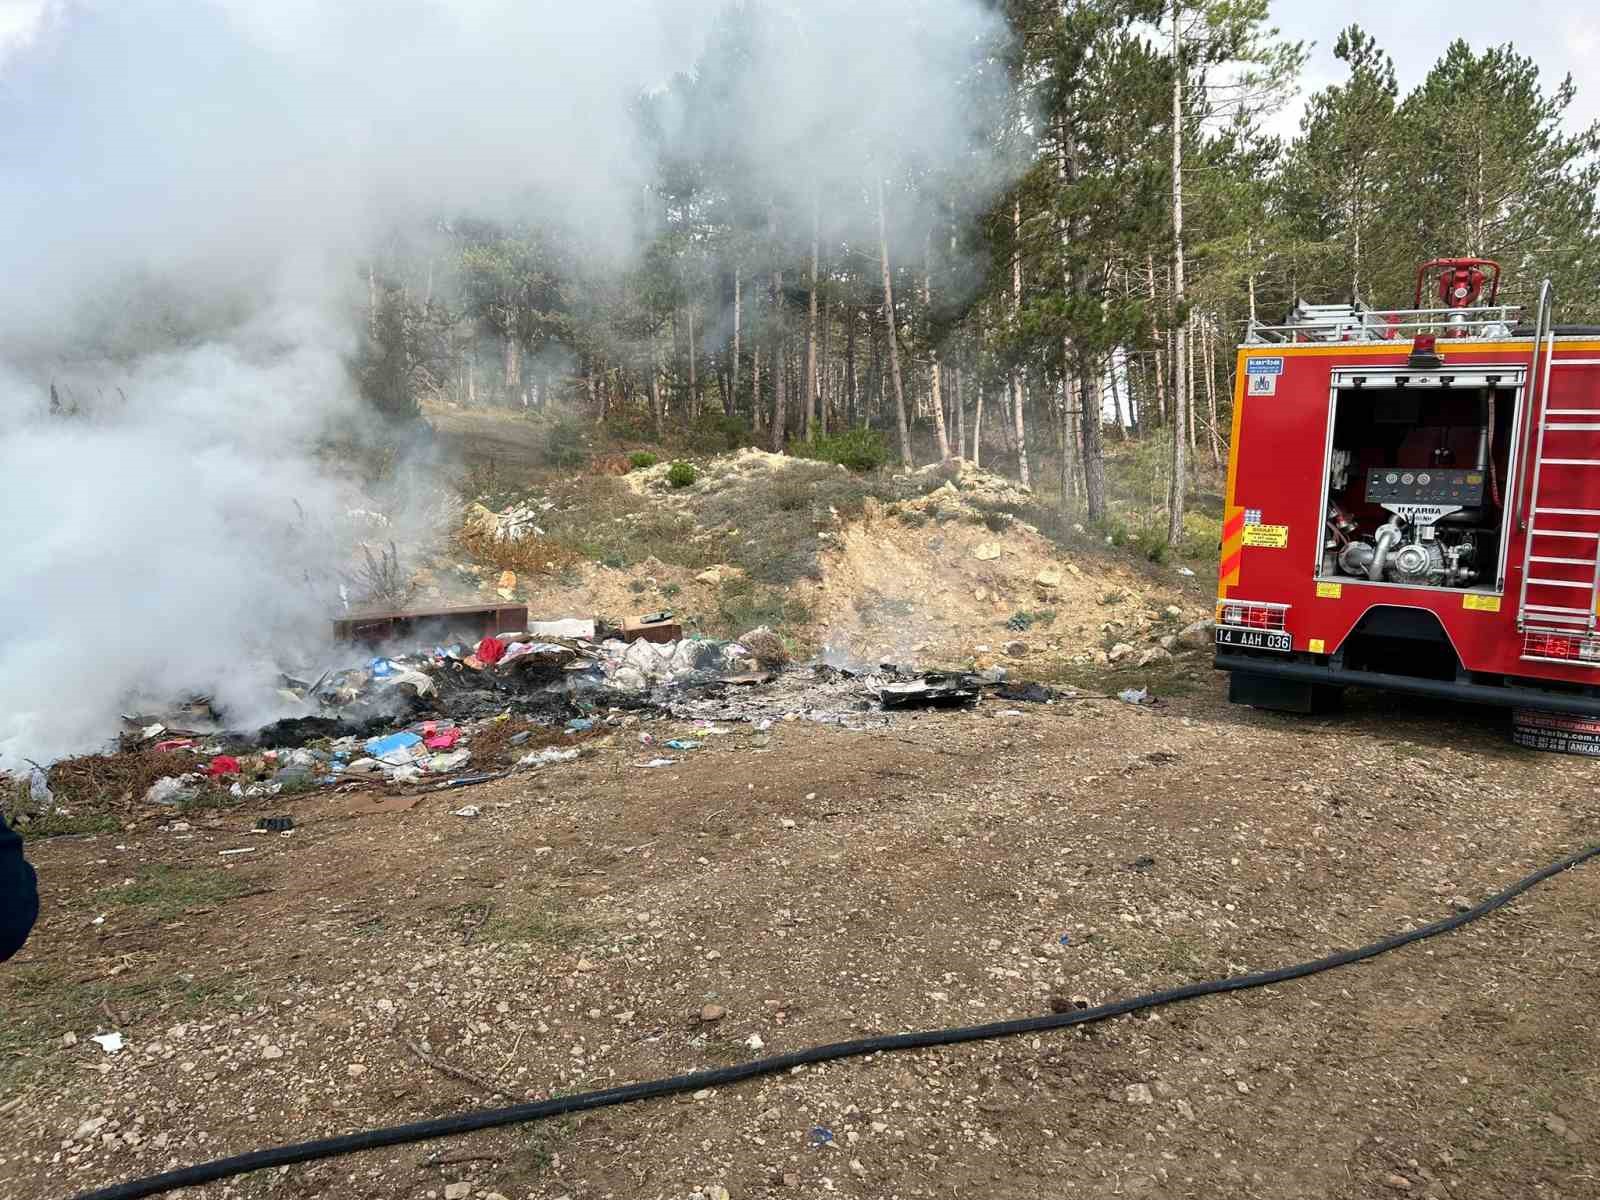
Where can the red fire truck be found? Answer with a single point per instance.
(1413, 504)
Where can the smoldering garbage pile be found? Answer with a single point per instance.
(451, 714)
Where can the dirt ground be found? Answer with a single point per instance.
(818, 884)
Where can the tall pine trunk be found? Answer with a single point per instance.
(1072, 392)
(1161, 370)
(961, 416)
(811, 328)
(780, 392)
(1210, 328)
(1016, 319)
(1094, 459)
(977, 430)
(934, 381)
(850, 366)
(694, 388)
(888, 323)
(1177, 485)
(657, 405)
(732, 397)
(1116, 399)
(757, 413)
(824, 370)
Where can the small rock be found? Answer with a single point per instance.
(69, 1038)
(1167, 641)
(787, 822)
(713, 955)
(717, 1192)
(1139, 1093)
(980, 593)
(1185, 1110)
(1071, 568)
(702, 1094)
(711, 575)
(1197, 636)
(457, 1191)
(856, 1167)
(713, 1012)
(1460, 903)
(791, 1179)
(494, 1196)
(1119, 652)
(1398, 1182)
(585, 965)
(1047, 580)
(754, 1042)
(1015, 649)
(356, 1070)
(1172, 611)
(939, 997)
(1244, 1088)
(272, 1052)
(1156, 654)
(986, 552)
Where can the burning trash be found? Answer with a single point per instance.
(452, 698)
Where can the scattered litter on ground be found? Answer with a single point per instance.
(540, 758)
(1032, 693)
(111, 1043)
(933, 690)
(469, 811)
(1134, 695)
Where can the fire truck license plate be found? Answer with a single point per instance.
(1254, 639)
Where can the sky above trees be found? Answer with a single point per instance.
(1561, 36)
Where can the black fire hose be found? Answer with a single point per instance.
(516, 1114)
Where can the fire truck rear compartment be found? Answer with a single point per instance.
(1416, 483)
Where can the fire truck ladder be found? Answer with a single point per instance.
(1561, 555)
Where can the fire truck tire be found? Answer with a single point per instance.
(1282, 695)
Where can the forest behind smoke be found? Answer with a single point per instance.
(239, 235)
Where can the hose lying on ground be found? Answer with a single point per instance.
(515, 1114)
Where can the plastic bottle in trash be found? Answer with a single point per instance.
(39, 790)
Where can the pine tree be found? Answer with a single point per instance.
(1489, 172)
(1341, 178)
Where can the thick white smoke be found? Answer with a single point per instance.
(239, 159)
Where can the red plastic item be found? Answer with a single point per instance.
(490, 650)
(442, 740)
(223, 764)
(175, 744)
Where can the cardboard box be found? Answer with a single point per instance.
(652, 627)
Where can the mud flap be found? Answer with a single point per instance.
(1281, 695)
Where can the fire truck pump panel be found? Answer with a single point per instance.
(1416, 485)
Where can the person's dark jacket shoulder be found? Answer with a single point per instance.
(19, 893)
